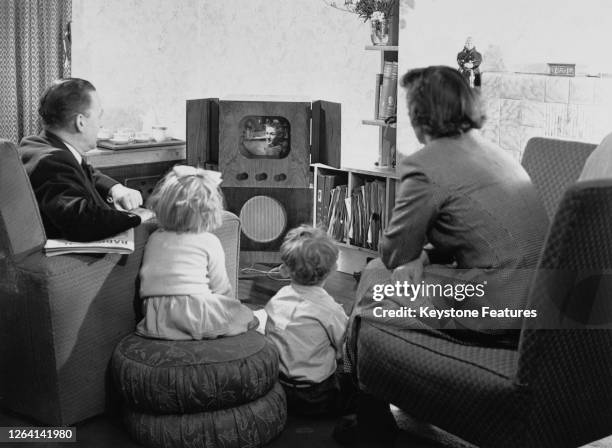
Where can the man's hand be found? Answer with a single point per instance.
(144, 213)
(125, 198)
(411, 272)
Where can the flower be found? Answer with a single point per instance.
(366, 9)
(377, 16)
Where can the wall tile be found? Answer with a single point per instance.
(557, 89)
(532, 87)
(491, 85)
(528, 132)
(601, 122)
(510, 112)
(511, 86)
(582, 122)
(603, 91)
(582, 90)
(492, 109)
(490, 131)
(510, 137)
(533, 113)
(556, 119)
(576, 123)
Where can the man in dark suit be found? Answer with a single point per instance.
(76, 201)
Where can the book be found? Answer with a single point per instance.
(338, 226)
(367, 214)
(325, 183)
(122, 243)
(379, 80)
(391, 103)
(388, 91)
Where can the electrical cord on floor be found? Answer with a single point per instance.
(273, 273)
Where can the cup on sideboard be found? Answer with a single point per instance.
(142, 136)
(159, 133)
(129, 132)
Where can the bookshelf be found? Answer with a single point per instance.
(357, 250)
(355, 254)
(382, 47)
(387, 134)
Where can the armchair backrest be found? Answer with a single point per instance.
(565, 354)
(553, 166)
(21, 229)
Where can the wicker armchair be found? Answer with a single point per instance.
(61, 317)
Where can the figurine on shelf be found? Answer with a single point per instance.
(469, 60)
(391, 120)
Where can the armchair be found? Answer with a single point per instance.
(555, 390)
(553, 166)
(61, 317)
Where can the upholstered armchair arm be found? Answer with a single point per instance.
(229, 234)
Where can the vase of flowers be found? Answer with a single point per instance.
(382, 14)
(379, 27)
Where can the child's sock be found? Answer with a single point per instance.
(262, 317)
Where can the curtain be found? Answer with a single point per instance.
(34, 51)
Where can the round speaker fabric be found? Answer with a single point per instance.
(263, 219)
(249, 425)
(174, 377)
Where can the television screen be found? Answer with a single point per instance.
(264, 137)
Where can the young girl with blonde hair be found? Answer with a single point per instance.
(186, 290)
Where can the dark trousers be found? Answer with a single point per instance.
(333, 396)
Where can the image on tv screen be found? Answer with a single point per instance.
(264, 137)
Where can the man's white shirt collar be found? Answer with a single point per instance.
(74, 152)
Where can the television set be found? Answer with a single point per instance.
(264, 150)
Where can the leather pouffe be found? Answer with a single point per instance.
(252, 424)
(220, 392)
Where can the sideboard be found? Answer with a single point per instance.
(137, 168)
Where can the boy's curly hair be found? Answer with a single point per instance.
(309, 254)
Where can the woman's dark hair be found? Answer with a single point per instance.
(441, 103)
(63, 100)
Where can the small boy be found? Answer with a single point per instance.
(307, 325)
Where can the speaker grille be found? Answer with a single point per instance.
(263, 219)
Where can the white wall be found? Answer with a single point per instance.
(513, 36)
(147, 57)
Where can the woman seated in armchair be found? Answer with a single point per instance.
(466, 229)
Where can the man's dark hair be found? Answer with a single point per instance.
(63, 100)
(441, 103)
